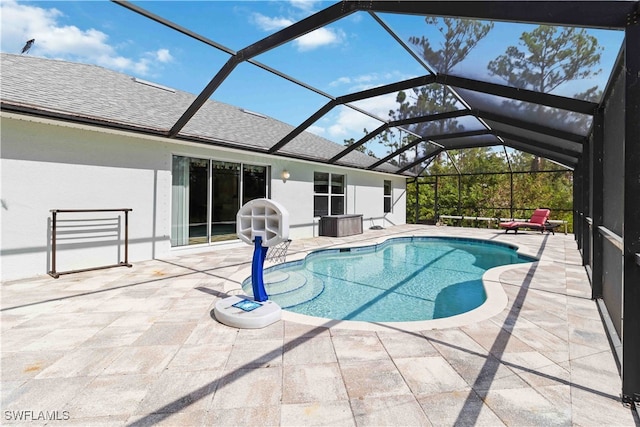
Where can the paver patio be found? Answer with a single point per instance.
(139, 347)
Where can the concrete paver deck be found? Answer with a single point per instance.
(139, 347)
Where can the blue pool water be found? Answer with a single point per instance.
(402, 279)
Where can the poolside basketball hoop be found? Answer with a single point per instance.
(264, 224)
(278, 253)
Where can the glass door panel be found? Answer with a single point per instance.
(198, 188)
(190, 182)
(225, 201)
(254, 183)
(179, 198)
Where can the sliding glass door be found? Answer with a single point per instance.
(206, 197)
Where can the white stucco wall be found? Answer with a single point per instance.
(364, 195)
(48, 165)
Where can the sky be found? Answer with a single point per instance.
(349, 55)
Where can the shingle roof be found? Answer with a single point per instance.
(95, 94)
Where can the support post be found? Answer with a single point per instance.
(597, 203)
(126, 239)
(435, 196)
(511, 195)
(631, 233)
(578, 176)
(53, 273)
(417, 207)
(460, 196)
(586, 204)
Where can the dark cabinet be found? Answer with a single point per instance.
(341, 225)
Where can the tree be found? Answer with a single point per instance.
(349, 142)
(460, 36)
(552, 56)
(545, 59)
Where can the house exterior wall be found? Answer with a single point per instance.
(49, 165)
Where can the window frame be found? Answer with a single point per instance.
(180, 230)
(330, 197)
(387, 199)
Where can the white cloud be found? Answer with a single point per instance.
(379, 105)
(340, 81)
(163, 55)
(21, 22)
(266, 23)
(368, 81)
(307, 42)
(317, 130)
(348, 123)
(361, 82)
(318, 38)
(305, 5)
(351, 123)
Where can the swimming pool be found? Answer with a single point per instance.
(400, 280)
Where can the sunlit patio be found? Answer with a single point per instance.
(138, 346)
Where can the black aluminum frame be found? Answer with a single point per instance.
(586, 163)
(551, 12)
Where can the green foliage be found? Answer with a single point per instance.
(490, 196)
(460, 36)
(476, 182)
(552, 56)
(349, 142)
(546, 58)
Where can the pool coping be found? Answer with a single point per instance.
(495, 303)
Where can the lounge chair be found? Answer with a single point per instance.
(538, 221)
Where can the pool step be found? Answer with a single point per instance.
(289, 288)
(279, 282)
(312, 288)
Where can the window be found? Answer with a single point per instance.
(387, 196)
(206, 196)
(329, 193)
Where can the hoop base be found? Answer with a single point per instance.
(245, 313)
